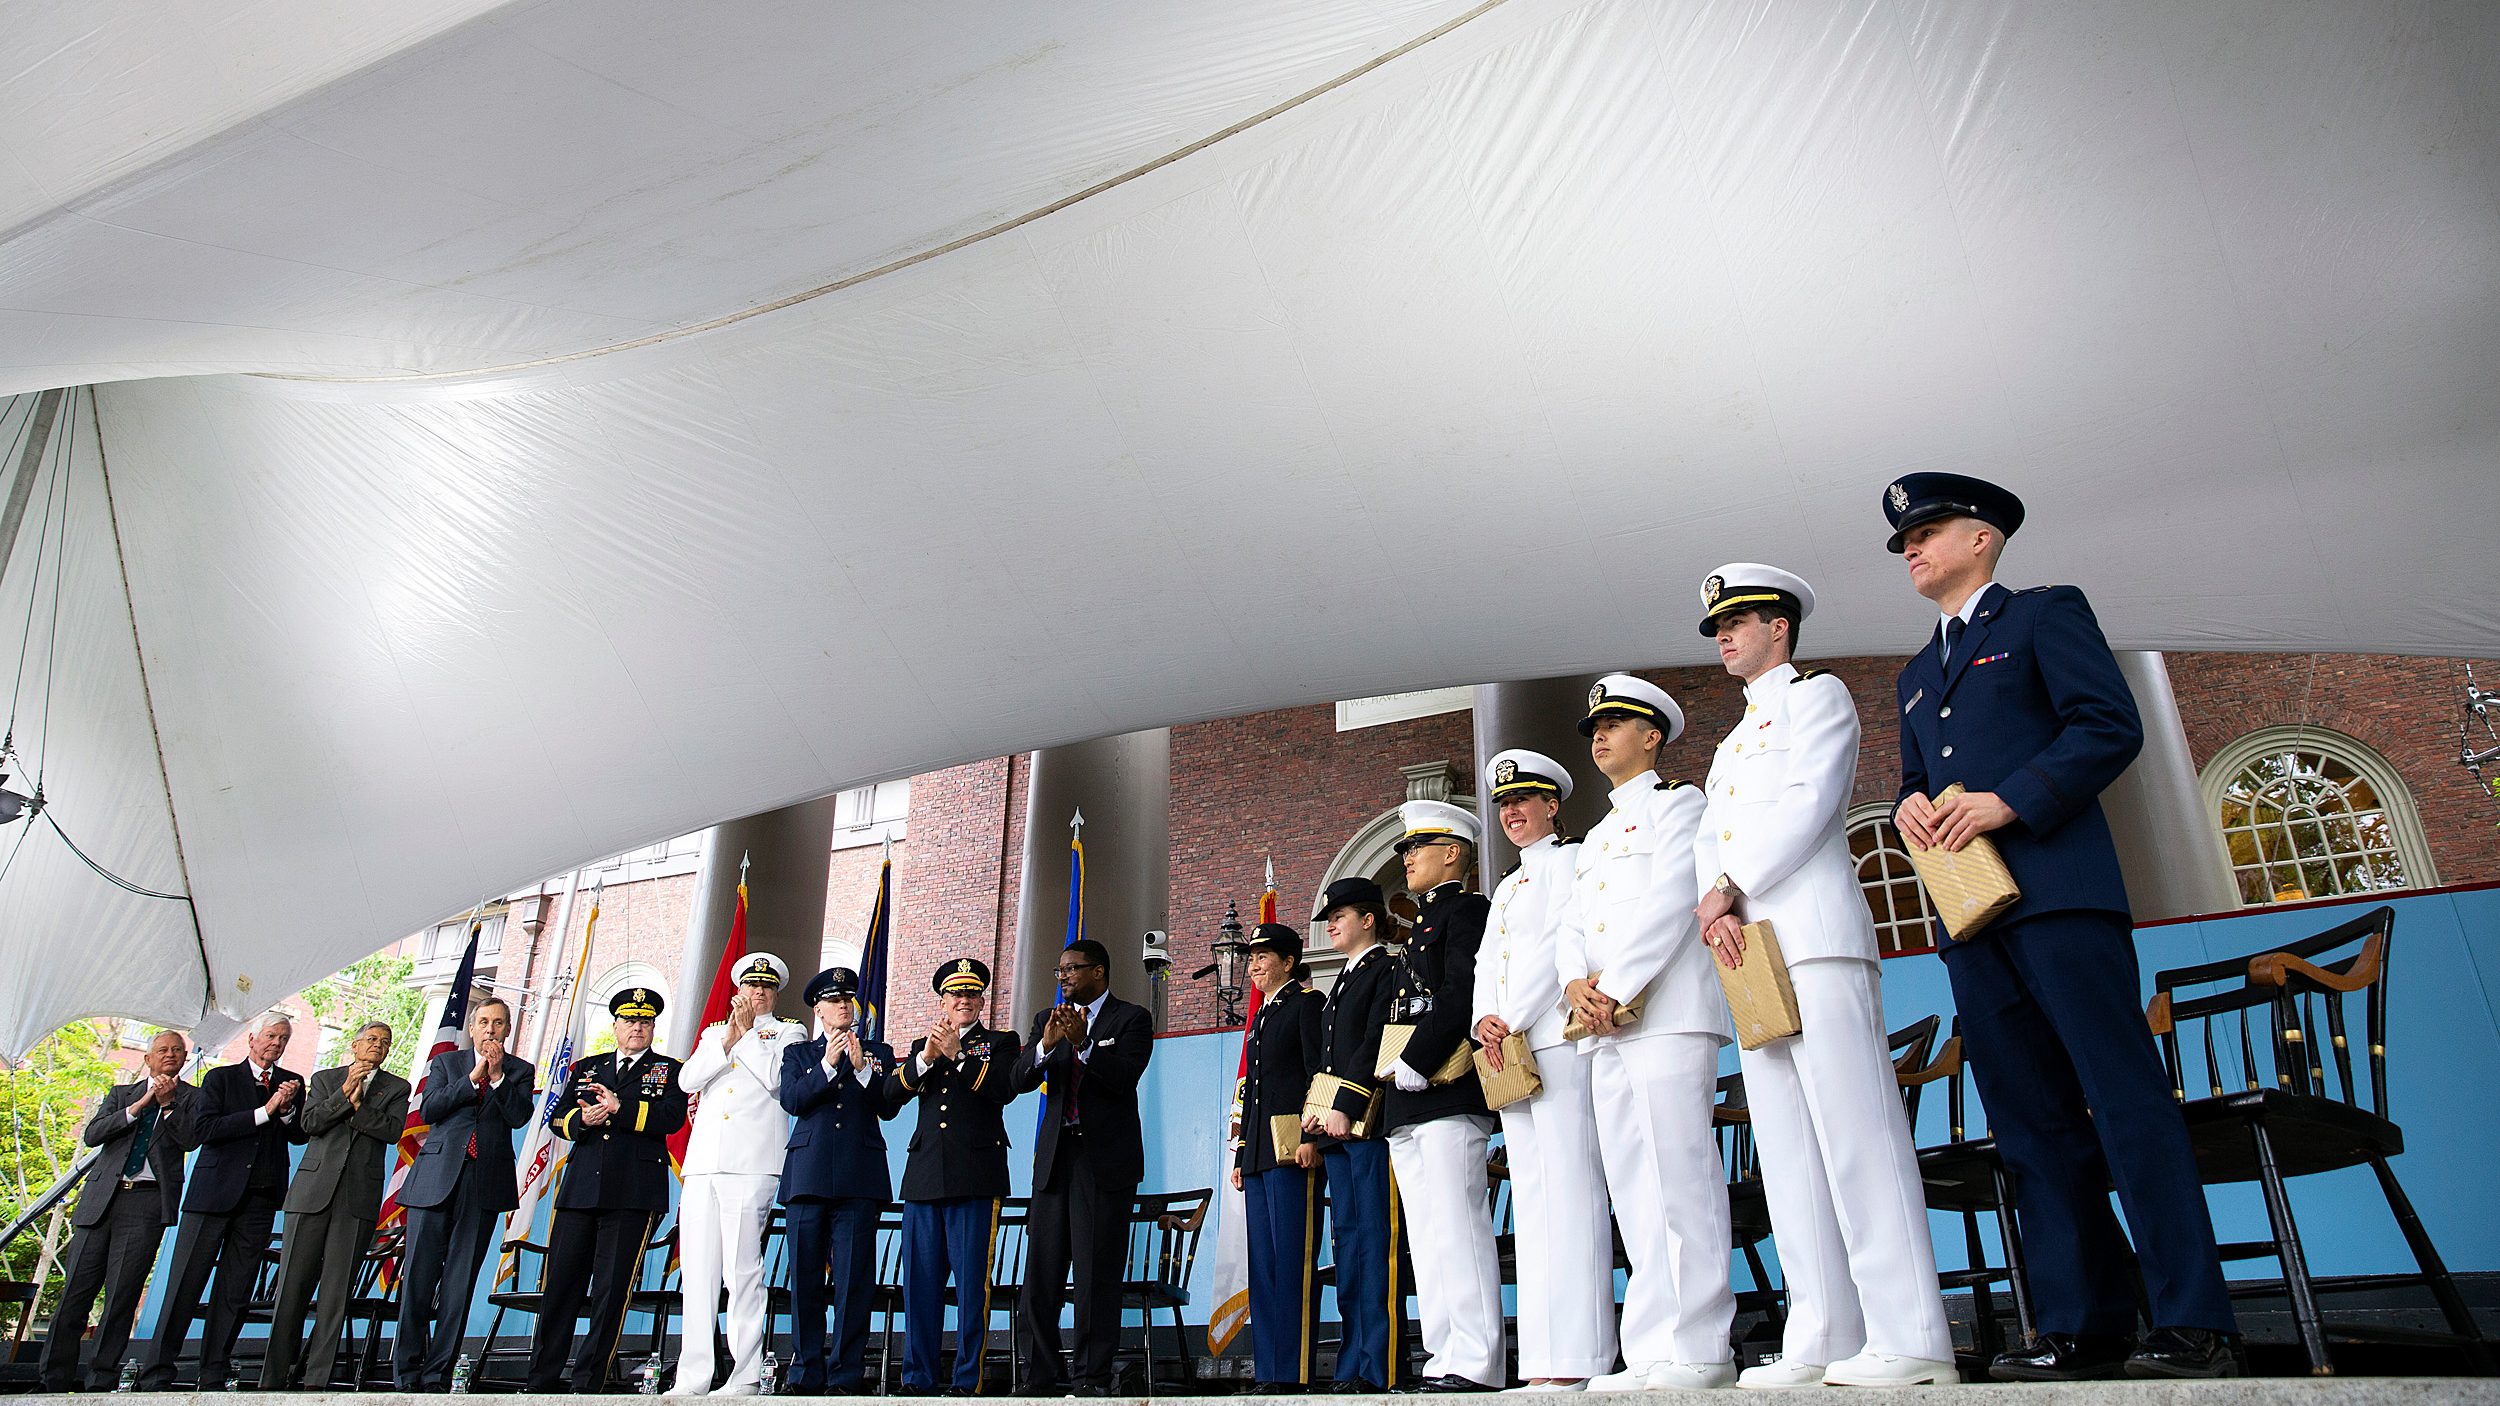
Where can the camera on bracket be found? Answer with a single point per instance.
(1157, 952)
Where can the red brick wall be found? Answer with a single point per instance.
(956, 888)
(2405, 709)
(644, 921)
(1284, 784)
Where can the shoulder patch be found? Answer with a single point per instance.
(1513, 869)
(1561, 841)
(2034, 590)
(1804, 674)
(1671, 785)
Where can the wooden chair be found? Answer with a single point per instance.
(1966, 1175)
(522, 1297)
(1007, 1247)
(2274, 1118)
(886, 1298)
(369, 1308)
(1164, 1229)
(21, 1371)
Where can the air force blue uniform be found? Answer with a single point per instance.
(2031, 706)
(833, 1184)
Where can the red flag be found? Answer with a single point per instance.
(715, 1010)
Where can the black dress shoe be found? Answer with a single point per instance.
(2064, 1357)
(1356, 1387)
(1083, 1390)
(1450, 1383)
(2187, 1352)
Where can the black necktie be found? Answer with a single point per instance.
(1952, 638)
(137, 1161)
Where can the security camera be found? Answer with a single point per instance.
(1157, 952)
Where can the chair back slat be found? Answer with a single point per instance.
(2291, 982)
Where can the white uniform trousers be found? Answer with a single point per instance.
(720, 1238)
(1565, 1248)
(1669, 1188)
(1441, 1188)
(1848, 1212)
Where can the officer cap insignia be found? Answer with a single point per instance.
(1900, 497)
(1505, 772)
(1597, 694)
(1710, 590)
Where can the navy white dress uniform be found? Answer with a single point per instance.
(953, 1180)
(1838, 1168)
(615, 1187)
(2019, 695)
(1362, 1197)
(833, 1185)
(1631, 928)
(1286, 1045)
(1565, 1246)
(1438, 1133)
(732, 1168)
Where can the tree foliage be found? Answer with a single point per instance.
(374, 989)
(46, 1100)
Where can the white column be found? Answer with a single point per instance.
(2169, 849)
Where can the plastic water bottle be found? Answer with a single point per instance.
(460, 1374)
(764, 1386)
(234, 1379)
(130, 1375)
(651, 1375)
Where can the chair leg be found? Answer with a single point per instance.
(2287, 1250)
(2017, 1273)
(2443, 1288)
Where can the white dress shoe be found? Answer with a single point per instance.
(683, 1387)
(1633, 1377)
(739, 1389)
(1783, 1372)
(1871, 1368)
(1691, 1376)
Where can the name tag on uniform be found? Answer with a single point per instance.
(1906, 707)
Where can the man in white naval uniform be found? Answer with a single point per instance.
(733, 1167)
(1837, 1166)
(1566, 1250)
(1630, 936)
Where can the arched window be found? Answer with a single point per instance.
(2308, 813)
(1904, 921)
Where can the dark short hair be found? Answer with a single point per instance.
(1096, 955)
(484, 1002)
(1380, 916)
(1782, 610)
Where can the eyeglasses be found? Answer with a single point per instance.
(1072, 968)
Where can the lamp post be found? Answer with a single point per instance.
(1232, 962)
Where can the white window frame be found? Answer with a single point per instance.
(2396, 801)
(1881, 812)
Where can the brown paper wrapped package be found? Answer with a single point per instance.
(1393, 1040)
(1518, 1077)
(1625, 1013)
(1969, 886)
(1759, 995)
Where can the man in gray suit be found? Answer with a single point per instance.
(461, 1184)
(354, 1115)
(130, 1193)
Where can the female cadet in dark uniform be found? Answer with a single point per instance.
(1278, 1175)
(955, 1176)
(1362, 1206)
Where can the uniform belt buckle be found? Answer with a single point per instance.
(130, 1182)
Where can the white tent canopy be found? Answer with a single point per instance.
(663, 415)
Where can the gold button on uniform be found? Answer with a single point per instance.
(1727, 834)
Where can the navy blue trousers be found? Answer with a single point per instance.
(1284, 1251)
(1363, 1228)
(2078, 1099)
(940, 1237)
(832, 1240)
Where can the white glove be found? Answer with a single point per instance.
(1409, 1082)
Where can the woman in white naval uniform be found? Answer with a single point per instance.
(733, 1167)
(1630, 935)
(1566, 1251)
(1837, 1166)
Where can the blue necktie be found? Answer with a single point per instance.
(1952, 637)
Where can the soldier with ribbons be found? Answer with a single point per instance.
(1341, 1115)
(1565, 1245)
(1274, 1168)
(1837, 1166)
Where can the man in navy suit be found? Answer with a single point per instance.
(246, 1118)
(460, 1185)
(2018, 698)
(833, 1183)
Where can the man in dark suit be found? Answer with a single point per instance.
(834, 1182)
(246, 1118)
(1353, 1154)
(130, 1193)
(458, 1188)
(354, 1114)
(1277, 1172)
(619, 1109)
(955, 1175)
(1088, 1158)
(2019, 699)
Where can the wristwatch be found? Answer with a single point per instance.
(1727, 887)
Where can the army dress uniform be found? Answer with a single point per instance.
(1285, 1045)
(953, 1180)
(732, 1168)
(1565, 1247)
(2017, 694)
(1438, 1133)
(1362, 1196)
(615, 1188)
(1653, 1082)
(1838, 1169)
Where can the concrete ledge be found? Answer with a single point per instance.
(2252, 1391)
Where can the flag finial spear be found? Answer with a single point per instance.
(742, 868)
(1076, 825)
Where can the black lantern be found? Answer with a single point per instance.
(1232, 964)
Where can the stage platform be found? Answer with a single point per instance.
(2255, 1391)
